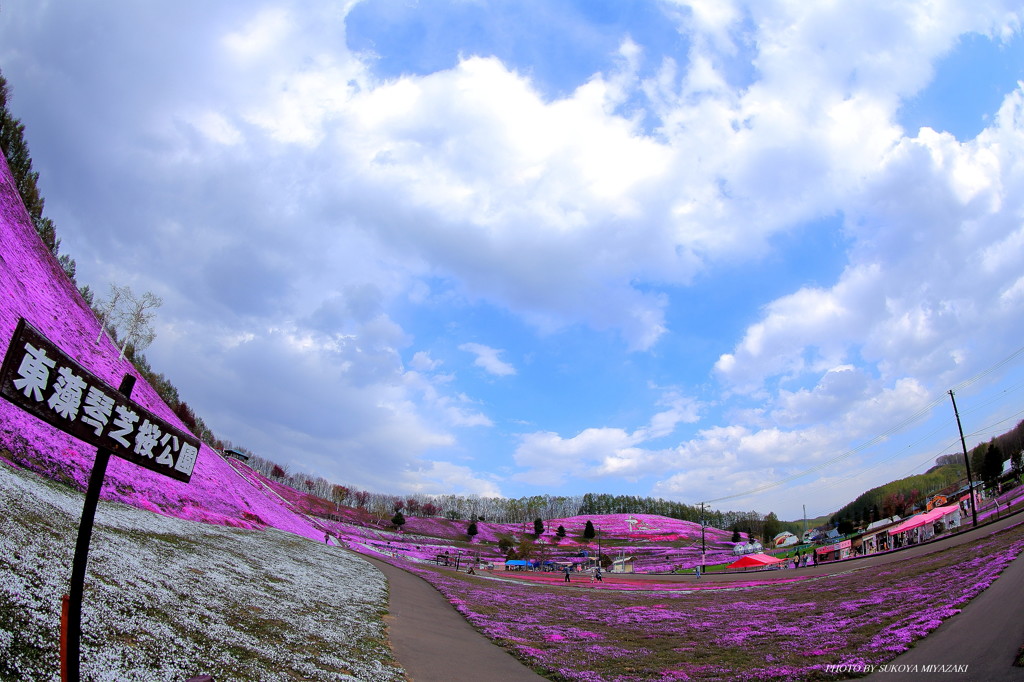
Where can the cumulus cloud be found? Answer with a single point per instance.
(442, 478)
(926, 230)
(421, 361)
(487, 358)
(603, 453)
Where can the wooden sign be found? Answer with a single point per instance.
(40, 378)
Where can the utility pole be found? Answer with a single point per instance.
(703, 547)
(967, 461)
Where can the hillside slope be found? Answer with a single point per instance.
(34, 287)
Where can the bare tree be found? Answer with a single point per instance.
(139, 322)
(129, 318)
(111, 311)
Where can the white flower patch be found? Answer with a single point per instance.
(167, 599)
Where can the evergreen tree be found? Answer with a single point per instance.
(560, 532)
(772, 527)
(15, 150)
(398, 520)
(992, 467)
(736, 537)
(588, 531)
(538, 527)
(978, 459)
(505, 545)
(472, 530)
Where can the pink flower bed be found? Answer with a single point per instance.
(421, 539)
(612, 581)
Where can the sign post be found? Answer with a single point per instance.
(41, 379)
(72, 635)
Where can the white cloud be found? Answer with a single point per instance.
(837, 389)
(454, 410)
(487, 358)
(442, 478)
(932, 242)
(218, 128)
(422, 362)
(606, 452)
(551, 459)
(260, 35)
(512, 197)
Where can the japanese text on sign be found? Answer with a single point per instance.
(41, 379)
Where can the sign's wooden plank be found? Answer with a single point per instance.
(43, 380)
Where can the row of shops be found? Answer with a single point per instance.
(890, 534)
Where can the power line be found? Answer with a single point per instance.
(944, 450)
(883, 436)
(841, 456)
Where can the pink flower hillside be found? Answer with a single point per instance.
(34, 287)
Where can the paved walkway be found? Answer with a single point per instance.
(434, 643)
(984, 637)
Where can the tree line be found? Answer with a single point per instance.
(526, 510)
(15, 148)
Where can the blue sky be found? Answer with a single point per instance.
(682, 249)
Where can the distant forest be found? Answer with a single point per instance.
(523, 510)
(897, 497)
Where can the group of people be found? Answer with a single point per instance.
(596, 575)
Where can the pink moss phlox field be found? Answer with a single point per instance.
(423, 538)
(34, 287)
(786, 630)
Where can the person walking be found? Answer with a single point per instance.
(567, 568)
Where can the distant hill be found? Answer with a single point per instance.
(797, 527)
(901, 496)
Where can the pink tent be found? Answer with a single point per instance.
(919, 520)
(754, 560)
